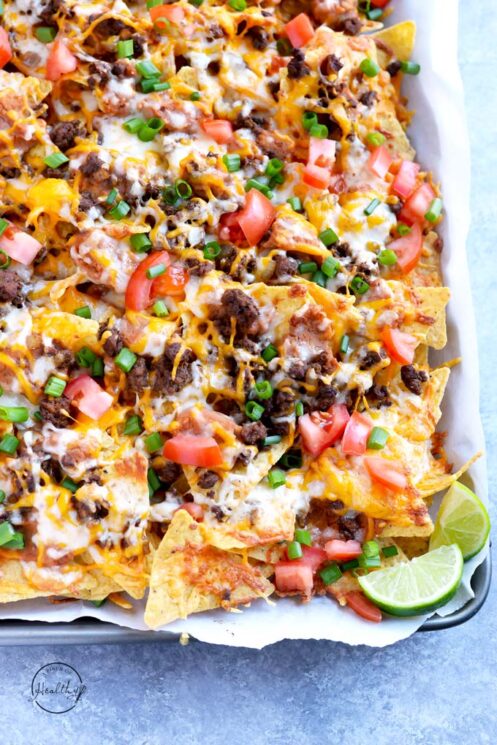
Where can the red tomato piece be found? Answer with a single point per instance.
(386, 472)
(229, 228)
(290, 576)
(339, 418)
(220, 130)
(161, 13)
(20, 246)
(60, 60)
(317, 177)
(139, 289)
(342, 550)
(193, 509)
(404, 182)
(379, 3)
(408, 248)
(356, 434)
(172, 283)
(417, 205)
(88, 396)
(299, 30)
(321, 152)
(5, 48)
(256, 217)
(319, 430)
(380, 161)
(193, 450)
(399, 345)
(360, 604)
(313, 556)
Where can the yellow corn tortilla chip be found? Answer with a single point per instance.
(399, 38)
(433, 482)
(430, 317)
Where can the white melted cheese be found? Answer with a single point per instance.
(15, 327)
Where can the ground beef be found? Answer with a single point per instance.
(10, 172)
(62, 134)
(89, 510)
(229, 407)
(369, 359)
(349, 526)
(282, 403)
(53, 469)
(394, 67)
(258, 37)
(217, 512)
(350, 24)
(226, 258)
(297, 67)
(279, 428)
(60, 172)
(136, 380)
(110, 27)
(123, 68)
(87, 201)
(168, 473)
(341, 250)
(325, 397)
(323, 363)
(413, 379)
(113, 344)
(100, 69)
(284, 267)
(50, 9)
(298, 370)
(56, 411)
(164, 382)
(368, 98)
(214, 67)
(253, 432)
(208, 479)
(91, 165)
(240, 306)
(378, 396)
(330, 64)
(197, 268)
(11, 288)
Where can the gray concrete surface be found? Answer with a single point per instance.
(433, 688)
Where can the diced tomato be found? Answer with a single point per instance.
(360, 604)
(139, 289)
(193, 450)
(256, 217)
(60, 60)
(319, 430)
(290, 576)
(277, 63)
(356, 434)
(321, 152)
(417, 205)
(342, 550)
(5, 48)
(173, 13)
(312, 556)
(317, 177)
(221, 130)
(399, 345)
(20, 246)
(379, 3)
(229, 228)
(408, 248)
(380, 161)
(172, 283)
(386, 472)
(88, 396)
(404, 182)
(299, 30)
(193, 509)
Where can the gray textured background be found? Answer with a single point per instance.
(433, 688)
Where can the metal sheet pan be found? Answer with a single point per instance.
(92, 631)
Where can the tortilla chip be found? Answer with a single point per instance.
(433, 483)
(400, 39)
(431, 321)
(69, 330)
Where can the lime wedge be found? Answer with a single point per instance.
(462, 519)
(417, 586)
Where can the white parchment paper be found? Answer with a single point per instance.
(439, 134)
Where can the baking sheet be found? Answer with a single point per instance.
(439, 134)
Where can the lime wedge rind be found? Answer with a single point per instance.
(462, 519)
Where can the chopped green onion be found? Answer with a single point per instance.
(435, 210)
(274, 167)
(160, 309)
(330, 573)
(284, 47)
(153, 3)
(276, 478)
(16, 543)
(410, 68)
(55, 387)
(147, 69)
(153, 442)
(299, 408)
(85, 357)
(125, 49)
(344, 344)
(308, 267)
(4, 224)
(359, 286)
(252, 183)
(375, 139)
(8, 444)
(133, 425)
(369, 562)
(183, 189)
(83, 312)
(263, 389)
(374, 14)
(5, 260)
(37, 415)
(303, 536)
(15, 414)
(160, 86)
(120, 210)
(291, 459)
(328, 237)
(134, 125)
(369, 67)
(126, 359)
(232, 161)
(1, 391)
(55, 160)
(195, 96)
(150, 129)
(309, 119)
(319, 130)
(211, 250)
(371, 207)
(294, 549)
(370, 549)
(269, 353)
(387, 257)
(238, 5)
(319, 278)
(140, 242)
(352, 564)
(389, 551)
(99, 603)
(253, 410)
(169, 195)
(97, 368)
(111, 196)
(295, 203)
(2, 496)
(403, 229)
(46, 34)
(156, 271)
(6, 533)
(378, 438)
(68, 483)
(330, 267)
(153, 481)
(271, 440)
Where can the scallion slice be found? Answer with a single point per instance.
(294, 549)
(211, 250)
(263, 390)
(253, 410)
(156, 271)
(14, 414)
(160, 309)
(133, 425)
(125, 49)
(330, 573)
(269, 353)
(378, 438)
(140, 242)
(232, 161)
(54, 160)
(276, 478)
(369, 67)
(303, 536)
(55, 387)
(126, 359)
(9, 444)
(46, 34)
(153, 442)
